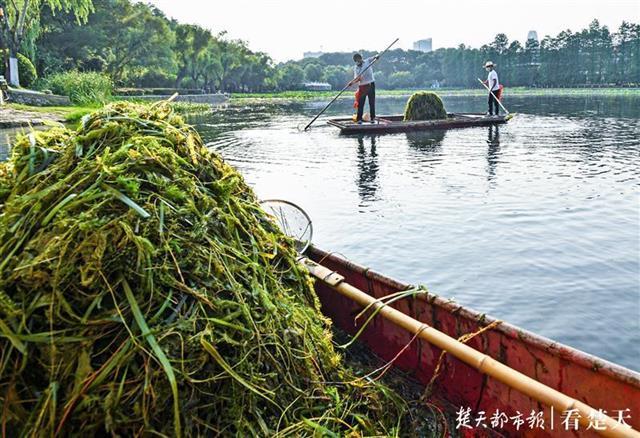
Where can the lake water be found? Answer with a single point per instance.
(535, 222)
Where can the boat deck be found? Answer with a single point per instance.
(396, 123)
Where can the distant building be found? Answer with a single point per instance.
(533, 47)
(423, 45)
(317, 86)
(311, 54)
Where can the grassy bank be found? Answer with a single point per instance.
(515, 91)
(70, 114)
(73, 114)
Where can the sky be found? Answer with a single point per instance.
(286, 28)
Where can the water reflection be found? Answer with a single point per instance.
(426, 141)
(493, 152)
(367, 169)
(425, 152)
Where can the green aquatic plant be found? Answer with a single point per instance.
(187, 108)
(424, 105)
(143, 291)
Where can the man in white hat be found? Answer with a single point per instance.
(494, 85)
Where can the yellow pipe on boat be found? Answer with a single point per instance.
(482, 362)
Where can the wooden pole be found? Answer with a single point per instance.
(497, 100)
(483, 363)
(348, 85)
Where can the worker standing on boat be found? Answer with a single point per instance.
(363, 76)
(494, 86)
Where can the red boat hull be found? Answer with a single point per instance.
(594, 381)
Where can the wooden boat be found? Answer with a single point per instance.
(589, 379)
(396, 123)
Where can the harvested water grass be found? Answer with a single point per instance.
(424, 105)
(143, 291)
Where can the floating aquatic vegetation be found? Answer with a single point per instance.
(186, 108)
(424, 105)
(144, 291)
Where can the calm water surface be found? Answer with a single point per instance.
(535, 222)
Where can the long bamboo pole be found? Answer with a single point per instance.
(494, 96)
(483, 363)
(348, 85)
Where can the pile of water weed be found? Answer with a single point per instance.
(424, 105)
(143, 290)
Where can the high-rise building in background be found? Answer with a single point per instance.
(533, 48)
(423, 45)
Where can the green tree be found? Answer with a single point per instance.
(401, 79)
(627, 53)
(126, 40)
(138, 46)
(193, 50)
(290, 76)
(337, 76)
(20, 19)
(425, 74)
(258, 72)
(500, 43)
(451, 66)
(138, 40)
(210, 66)
(313, 72)
(230, 63)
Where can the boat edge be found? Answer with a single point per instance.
(571, 354)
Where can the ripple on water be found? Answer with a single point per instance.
(536, 222)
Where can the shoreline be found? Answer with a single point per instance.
(14, 115)
(515, 91)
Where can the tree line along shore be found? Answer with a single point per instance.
(91, 50)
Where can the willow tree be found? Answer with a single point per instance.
(20, 18)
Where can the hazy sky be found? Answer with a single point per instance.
(286, 28)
